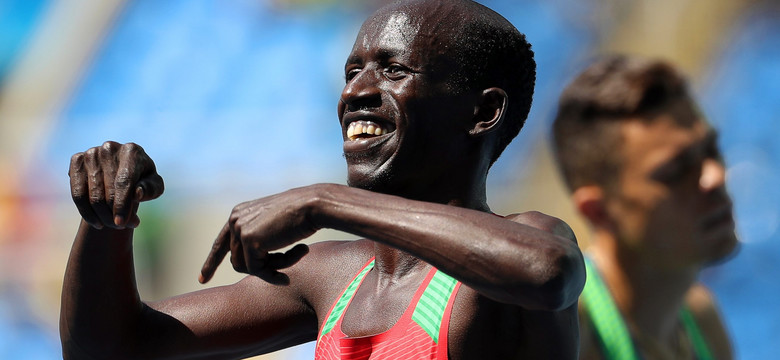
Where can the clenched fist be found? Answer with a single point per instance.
(108, 182)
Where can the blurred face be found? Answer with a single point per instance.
(402, 125)
(671, 203)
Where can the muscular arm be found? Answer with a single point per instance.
(532, 266)
(102, 315)
(507, 261)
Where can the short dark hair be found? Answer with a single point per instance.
(491, 52)
(613, 90)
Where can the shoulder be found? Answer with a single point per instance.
(514, 332)
(544, 222)
(590, 345)
(326, 270)
(705, 312)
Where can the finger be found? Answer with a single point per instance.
(134, 220)
(274, 277)
(107, 159)
(79, 190)
(254, 259)
(127, 174)
(131, 220)
(270, 271)
(216, 255)
(134, 165)
(152, 185)
(278, 261)
(237, 256)
(97, 189)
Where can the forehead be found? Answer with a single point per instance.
(395, 31)
(402, 33)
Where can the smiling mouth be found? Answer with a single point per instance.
(363, 129)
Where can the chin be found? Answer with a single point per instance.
(725, 248)
(369, 178)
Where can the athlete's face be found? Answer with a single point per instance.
(402, 124)
(671, 201)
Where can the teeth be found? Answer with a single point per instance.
(363, 127)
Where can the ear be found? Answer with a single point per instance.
(489, 112)
(590, 202)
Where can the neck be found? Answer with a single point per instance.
(649, 296)
(453, 189)
(393, 263)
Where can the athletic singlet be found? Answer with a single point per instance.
(611, 329)
(420, 333)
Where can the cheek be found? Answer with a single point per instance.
(642, 214)
(671, 227)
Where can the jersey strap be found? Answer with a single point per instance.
(694, 333)
(346, 296)
(611, 329)
(606, 318)
(429, 311)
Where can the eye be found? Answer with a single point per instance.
(351, 73)
(712, 151)
(681, 171)
(396, 71)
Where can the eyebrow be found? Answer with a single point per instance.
(382, 55)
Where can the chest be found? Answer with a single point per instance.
(434, 315)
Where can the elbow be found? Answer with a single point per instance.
(561, 281)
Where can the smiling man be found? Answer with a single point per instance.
(434, 92)
(644, 168)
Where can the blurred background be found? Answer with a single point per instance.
(236, 99)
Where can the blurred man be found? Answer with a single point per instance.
(435, 90)
(643, 167)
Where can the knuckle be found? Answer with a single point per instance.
(256, 247)
(110, 145)
(132, 147)
(235, 215)
(91, 153)
(123, 178)
(95, 196)
(76, 164)
(77, 193)
(76, 158)
(107, 150)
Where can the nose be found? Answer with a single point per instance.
(713, 175)
(362, 91)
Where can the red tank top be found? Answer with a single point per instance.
(420, 333)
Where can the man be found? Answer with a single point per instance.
(434, 92)
(644, 169)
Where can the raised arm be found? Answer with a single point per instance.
(102, 315)
(533, 261)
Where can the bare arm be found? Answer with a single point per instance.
(102, 315)
(508, 261)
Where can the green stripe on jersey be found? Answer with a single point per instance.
(430, 309)
(335, 315)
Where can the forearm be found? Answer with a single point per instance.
(505, 260)
(100, 303)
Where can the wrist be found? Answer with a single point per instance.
(321, 201)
